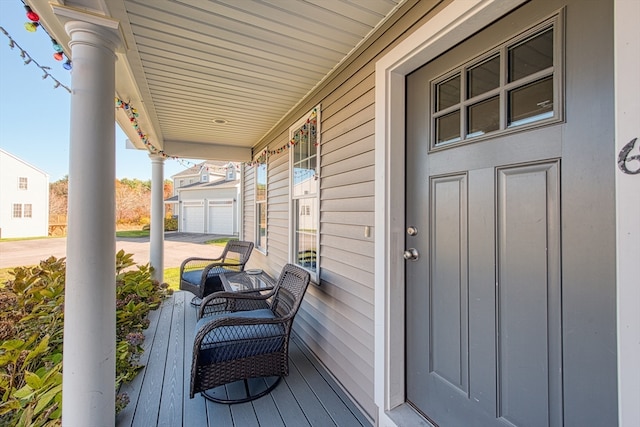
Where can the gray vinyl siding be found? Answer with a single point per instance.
(336, 319)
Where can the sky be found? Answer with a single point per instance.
(34, 116)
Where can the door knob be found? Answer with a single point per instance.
(411, 254)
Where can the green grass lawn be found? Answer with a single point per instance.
(172, 277)
(132, 233)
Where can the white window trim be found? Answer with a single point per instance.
(315, 275)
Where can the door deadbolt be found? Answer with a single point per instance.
(412, 231)
(411, 254)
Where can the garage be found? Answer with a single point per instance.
(221, 217)
(193, 217)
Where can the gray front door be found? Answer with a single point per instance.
(499, 271)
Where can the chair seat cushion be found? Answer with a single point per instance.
(240, 341)
(195, 276)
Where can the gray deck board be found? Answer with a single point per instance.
(160, 393)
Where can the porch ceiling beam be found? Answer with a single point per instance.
(198, 150)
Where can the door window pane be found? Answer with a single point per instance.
(531, 103)
(448, 93)
(448, 128)
(483, 77)
(483, 117)
(531, 56)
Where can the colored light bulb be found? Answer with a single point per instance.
(31, 26)
(31, 14)
(57, 56)
(67, 65)
(56, 46)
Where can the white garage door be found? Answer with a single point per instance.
(193, 218)
(221, 217)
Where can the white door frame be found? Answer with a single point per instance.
(460, 19)
(627, 111)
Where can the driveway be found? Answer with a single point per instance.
(177, 247)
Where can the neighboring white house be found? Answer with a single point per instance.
(24, 198)
(206, 198)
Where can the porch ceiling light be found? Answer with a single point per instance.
(220, 121)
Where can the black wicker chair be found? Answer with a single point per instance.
(201, 276)
(244, 336)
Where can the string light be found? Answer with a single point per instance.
(28, 60)
(307, 130)
(33, 25)
(133, 115)
(31, 15)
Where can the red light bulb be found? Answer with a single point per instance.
(31, 14)
(57, 56)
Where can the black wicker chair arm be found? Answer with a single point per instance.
(197, 263)
(228, 301)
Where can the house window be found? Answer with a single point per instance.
(261, 203)
(304, 139)
(231, 172)
(22, 183)
(17, 210)
(27, 210)
(513, 86)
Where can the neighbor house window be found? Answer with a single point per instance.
(513, 86)
(304, 150)
(22, 183)
(17, 210)
(261, 203)
(27, 210)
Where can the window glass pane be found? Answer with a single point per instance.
(531, 56)
(483, 117)
(531, 102)
(261, 182)
(305, 248)
(17, 210)
(483, 77)
(303, 181)
(448, 93)
(261, 232)
(448, 128)
(27, 210)
(22, 183)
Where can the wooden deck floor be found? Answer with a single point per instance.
(160, 393)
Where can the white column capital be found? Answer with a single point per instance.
(91, 28)
(157, 158)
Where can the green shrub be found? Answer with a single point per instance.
(31, 328)
(170, 224)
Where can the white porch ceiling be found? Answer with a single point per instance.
(246, 62)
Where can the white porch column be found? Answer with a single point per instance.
(89, 329)
(156, 254)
